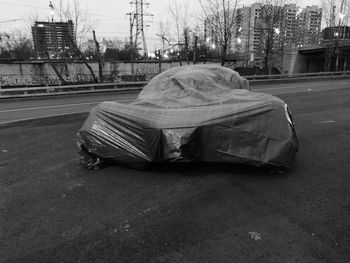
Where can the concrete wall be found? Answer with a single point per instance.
(293, 62)
(39, 73)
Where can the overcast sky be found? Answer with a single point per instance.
(108, 16)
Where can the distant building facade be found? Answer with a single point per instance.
(247, 34)
(336, 32)
(290, 26)
(55, 40)
(309, 21)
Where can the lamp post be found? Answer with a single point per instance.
(341, 19)
(280, 44)
(339, 36)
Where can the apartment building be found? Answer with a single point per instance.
(309, 26)
(53, 39)
(291, 26)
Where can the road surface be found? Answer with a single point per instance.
(14, 110)
(53, 210)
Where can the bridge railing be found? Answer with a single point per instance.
(15, 92)
(298, 75)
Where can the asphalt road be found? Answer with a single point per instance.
(53, 210)
(23, 109)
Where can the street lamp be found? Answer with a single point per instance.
(341, 18)
(277, 30)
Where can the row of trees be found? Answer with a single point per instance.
(188, 38)
(15, 46)
(19, 47)
(220, 17)
(218, 21)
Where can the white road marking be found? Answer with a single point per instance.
(296, 86)
(254, 88)
(59, 106)
(330, 121)
(41, 117)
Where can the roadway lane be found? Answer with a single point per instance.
(23, 109)
(54, 210)
(31, 108)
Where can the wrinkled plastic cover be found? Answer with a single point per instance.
(191, 113)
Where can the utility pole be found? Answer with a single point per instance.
(98, 56)
(137, 26)
(205, 41)
(186, 45)
(195, 49)
(132, 47)
(159, 62)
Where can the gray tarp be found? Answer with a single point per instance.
(191, 113)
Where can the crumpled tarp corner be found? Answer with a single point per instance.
(192, 113)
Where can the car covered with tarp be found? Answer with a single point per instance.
(196, 113)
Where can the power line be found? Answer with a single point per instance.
(92, 14)
(47, 8)
(24, 5)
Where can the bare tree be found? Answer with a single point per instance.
(220, 16)
(15, 45)
(335, 12)
(182, 22)
(77, 12)
(164, 33)
(179, 14)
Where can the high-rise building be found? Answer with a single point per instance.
(309, 26)
(242, 29)
(291, 26)
(247, 36)
(255, 33)
(54, 40)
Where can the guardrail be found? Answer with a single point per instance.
(70, 89)
(298, 75)
(127, 86)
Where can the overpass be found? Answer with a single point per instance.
(329, 57)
